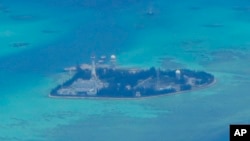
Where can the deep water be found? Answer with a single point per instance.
(208, 35)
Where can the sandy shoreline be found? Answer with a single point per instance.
(138, 98)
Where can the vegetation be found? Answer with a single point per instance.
(124, 83)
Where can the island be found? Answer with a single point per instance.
(105, 79)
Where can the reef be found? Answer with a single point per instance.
(101, 80)
(20, 44)
(23, 17)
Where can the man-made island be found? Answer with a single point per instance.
(106, 80)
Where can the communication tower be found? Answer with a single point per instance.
(113, 61)
(178, 74)
(93, 70)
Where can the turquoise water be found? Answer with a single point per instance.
(199, 34)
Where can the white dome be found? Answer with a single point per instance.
(113, 56)
(177, 71)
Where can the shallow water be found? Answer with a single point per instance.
(198, 34)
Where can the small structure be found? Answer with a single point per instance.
(93, 71)
(113, 61)
(178, 74)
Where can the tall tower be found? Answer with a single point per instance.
(178, 74)
(93, 71)
(113, 61)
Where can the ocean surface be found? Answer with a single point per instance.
(40, 38)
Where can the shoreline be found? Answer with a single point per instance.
(136, 98)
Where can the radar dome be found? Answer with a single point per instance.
(178, 71)
(113, 57)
